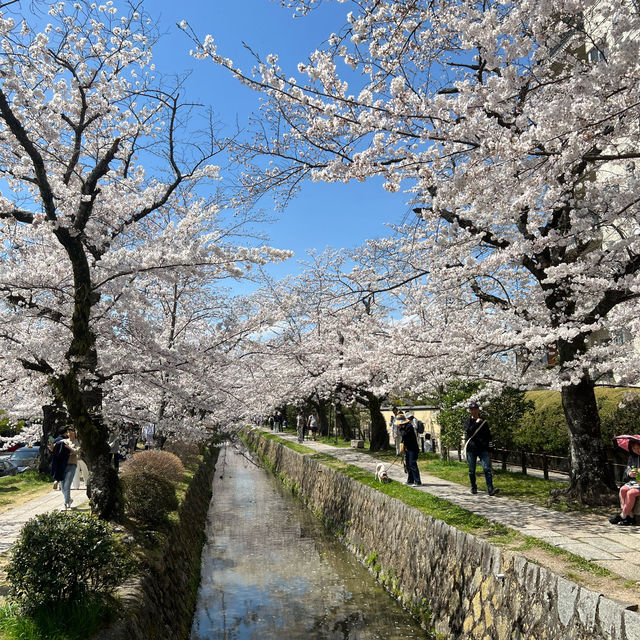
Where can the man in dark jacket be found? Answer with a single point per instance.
(477, 437)
(410, 441)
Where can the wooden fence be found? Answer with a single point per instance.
(545, 462)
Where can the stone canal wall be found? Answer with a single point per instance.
(159, 605)
(460, 585)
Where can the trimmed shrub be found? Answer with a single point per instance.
(624, 419)
(545, 428)
(543, 431)
(160, 463)
(186, 451)
(505, 414)
(63, 556)
(149, 498)
(453, 412)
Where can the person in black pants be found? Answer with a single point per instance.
(477, 437)
(410, 442)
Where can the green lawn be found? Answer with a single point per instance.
(15, 490)
(511, 484)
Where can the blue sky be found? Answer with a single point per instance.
(336, 215)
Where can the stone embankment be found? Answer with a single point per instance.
(460, 585)
(160, 604)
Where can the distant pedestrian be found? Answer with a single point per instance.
(277, 422)
(409, 441)
(477, 438)
(132, 442)
(148, 435)
(114, 451)
(313, 426)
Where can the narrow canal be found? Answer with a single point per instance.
(270, 570)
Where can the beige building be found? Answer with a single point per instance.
(426, 414)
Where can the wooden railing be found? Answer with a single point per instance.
(545, 462)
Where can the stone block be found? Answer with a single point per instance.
(567, 596)
(587, 607)
(610, 618)
(631, 625)
(357, 444)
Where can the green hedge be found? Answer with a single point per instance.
(545, 428)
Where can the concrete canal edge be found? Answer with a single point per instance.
(460, 585)
(160, 604)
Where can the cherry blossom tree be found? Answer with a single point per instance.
(321, 345)
(512, 126)
(100, 160)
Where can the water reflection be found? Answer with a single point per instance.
(269, 570)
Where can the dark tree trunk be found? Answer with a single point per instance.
(591, 479)
(81, 390)
(379, 433)
(53, 418)
(343, 424)
(323, 418)
(84, 410)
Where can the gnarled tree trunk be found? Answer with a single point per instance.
(379, 433)
(84, 407)
(53, 418)
(591, 478)
(81, 391)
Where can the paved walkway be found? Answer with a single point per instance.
(588, 536)
(11, 521)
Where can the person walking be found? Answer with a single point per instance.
(132, 442)
(477, 437)
(114, 451)
(313, 426)
(65, 461)
(409, 440)
(81, 471)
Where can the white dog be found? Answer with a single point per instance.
(381, 473)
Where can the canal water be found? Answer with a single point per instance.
(271, 571)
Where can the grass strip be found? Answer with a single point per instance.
(77, 621)
(296, 446)
(512, 484)
(18, 489)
